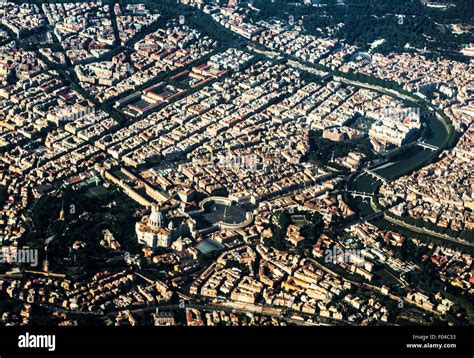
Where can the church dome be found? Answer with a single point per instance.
(156, 218)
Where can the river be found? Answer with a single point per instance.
(365, 183)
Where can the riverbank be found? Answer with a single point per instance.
(426, 231)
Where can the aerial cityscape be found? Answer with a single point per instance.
(237, 163)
